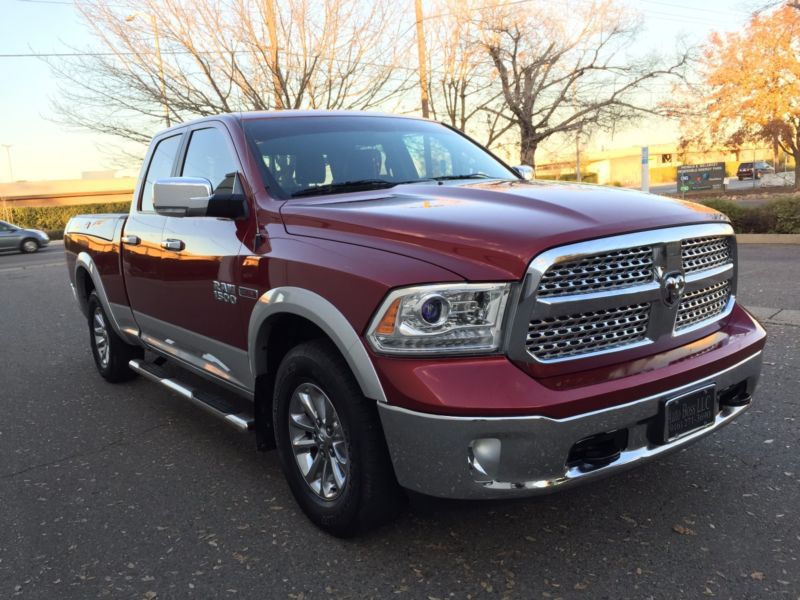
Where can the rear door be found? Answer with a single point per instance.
(200, 305)
(141, 245)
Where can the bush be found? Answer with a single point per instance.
(780, 216)
(787, 215)
(54, 218)
(585, 177)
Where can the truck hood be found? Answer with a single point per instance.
(486, 231)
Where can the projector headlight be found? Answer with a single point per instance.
(440, 319)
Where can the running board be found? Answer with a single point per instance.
(211, 403)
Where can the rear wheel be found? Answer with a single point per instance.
(330, 443)
(29, 245)
(111, 353)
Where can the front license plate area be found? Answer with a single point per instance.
(689, 412)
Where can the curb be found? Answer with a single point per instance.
(768, 238)
(776, 316)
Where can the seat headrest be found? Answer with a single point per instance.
(309, 168)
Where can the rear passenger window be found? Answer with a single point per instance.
(160, 167)
(209, 156)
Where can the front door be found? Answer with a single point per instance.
(8, 236)
(141, 244)
(200, 270)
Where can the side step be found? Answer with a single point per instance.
(211, 403)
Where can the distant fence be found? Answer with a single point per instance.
(48, 194)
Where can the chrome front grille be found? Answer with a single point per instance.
(572, 335)
(699, 254)
(611, 270)
(702, 305)
(615, 293)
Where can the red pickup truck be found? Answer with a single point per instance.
(392, 307)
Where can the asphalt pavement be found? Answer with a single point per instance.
(128, 492)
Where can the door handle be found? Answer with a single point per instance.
(173, 245)
(131, 240)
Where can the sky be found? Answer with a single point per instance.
(41, 148)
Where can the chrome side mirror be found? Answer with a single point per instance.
(181, 196)
(525, 171)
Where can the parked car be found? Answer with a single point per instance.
(745, 170)
(13, 237)
(392, 307)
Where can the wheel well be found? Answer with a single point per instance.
(84, 286)
(279, 334)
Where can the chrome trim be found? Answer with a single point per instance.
(313, 307)
(131, 240)
(242, 422)
(431, 453)
(181, 196)
(667, 252)
(506, 288)
(173, 245)
(208, 356)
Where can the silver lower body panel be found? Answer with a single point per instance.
(503, 457)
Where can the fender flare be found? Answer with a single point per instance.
(84, 261)
(312, 307)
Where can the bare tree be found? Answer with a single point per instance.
(221, 56)
(564, 72)
(461, 81)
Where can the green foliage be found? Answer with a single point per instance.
(585, 177)
(787, 215)
(779, 216)
(54, 218)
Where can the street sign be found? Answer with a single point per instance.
(707, 176)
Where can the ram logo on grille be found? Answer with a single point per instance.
(672, 288)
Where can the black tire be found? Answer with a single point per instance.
(29, 246)
(370, 495)
(113, 365)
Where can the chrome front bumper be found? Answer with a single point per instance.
(500, 457)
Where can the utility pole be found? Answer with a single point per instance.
(159, 62)
(270, 12)
(577, 135)
(645, 168)
(423, 75)
(160, 71)
(8, 158)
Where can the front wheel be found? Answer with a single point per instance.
(330, 443)
(111, 354)
(29, 246)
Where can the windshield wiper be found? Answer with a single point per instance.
(343, 186)
(467, 176)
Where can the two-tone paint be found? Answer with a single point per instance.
(326, 263)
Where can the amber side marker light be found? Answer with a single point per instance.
(386, 326)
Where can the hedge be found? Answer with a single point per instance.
(53, 219)
(779, 216)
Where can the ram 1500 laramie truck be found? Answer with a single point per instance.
(392, 307)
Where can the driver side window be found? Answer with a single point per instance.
(209, 156)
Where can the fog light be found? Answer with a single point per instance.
(484, 457)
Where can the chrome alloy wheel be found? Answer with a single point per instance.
(100, 332)
(318, 441)
(30, 246)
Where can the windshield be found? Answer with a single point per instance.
(306, 156)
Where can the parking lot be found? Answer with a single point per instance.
(128, 492)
